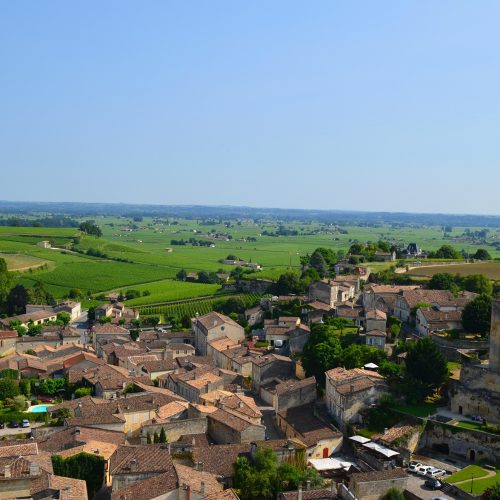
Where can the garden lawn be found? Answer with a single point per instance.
(476, 426)
(422, 410)
(467, 473)
(480, 485)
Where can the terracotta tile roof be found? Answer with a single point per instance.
(214, 319)
(310, 429)
(413, 297)
(358, 385)
(378, 475)
(270, 358)
(319, 494)
(379, 289)
(342, 375)
(8, 334)
(141, 459)
(35, 316)
(229, 420)
(68, 488)
(222, 344)
(110, 328)
(219, 459)
(76, 436)
(396, 432)
(159, 365)
(148, 489)
(376, 333)
(100, 448)
(316, 304)
(223, 495)
(188, 475)
(375, 314)
(433, 315)
(294, 385)
(242, 404)
(19, 468)
(11, 449)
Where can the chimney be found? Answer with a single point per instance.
(352, 388)
(308, 484)
(299, 493)
(78, 409)
(202, 489)
(133, 465)
(188, 492)
(7, 471)
(77, 431)
(34, 469)
(168, 354)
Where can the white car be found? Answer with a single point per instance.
(414, 466)
(25, 423)
(434, 472)
(422, 471)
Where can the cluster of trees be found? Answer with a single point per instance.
(445, 252)
(265, 477)
(361, 252)
(18, 296)
(424, 372)
(51, 221)
(320, 263)
(326, 349)
(477, 283)
(281, 231)
(476, 316)
(90, 227)
(193, 242)
(203, 277)
(160, 437)
(86, 466)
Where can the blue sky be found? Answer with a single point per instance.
(385, 105)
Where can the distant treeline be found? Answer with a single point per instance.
(339, 217)
(192, 241)
(52, 221)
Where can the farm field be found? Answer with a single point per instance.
(490, 269)
(22, 262)
(136, 253)
(190, 308)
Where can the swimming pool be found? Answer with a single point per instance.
(39, 408)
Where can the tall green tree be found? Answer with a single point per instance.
(5, 283)
(476, 316)
(426, 366)
(318, 262)
(17, 300)
(478, 283)
(393, 494)
(8, 388)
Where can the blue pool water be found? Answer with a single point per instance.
(39, 409)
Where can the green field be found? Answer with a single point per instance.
(22, 262)
(475, 479)
(191, 307)
(490, 269)
(150, 267)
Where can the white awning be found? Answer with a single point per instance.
(360, 439)
(371, 366)
(324, 464)
(387, 452)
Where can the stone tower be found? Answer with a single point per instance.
(495, 336)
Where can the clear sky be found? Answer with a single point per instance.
(368, 105)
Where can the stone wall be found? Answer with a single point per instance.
(449, 347)
(373, 490)
(174, 430)
(296, 397)
(465, 444)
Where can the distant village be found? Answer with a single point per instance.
(210, 411)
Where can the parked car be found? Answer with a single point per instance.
(14, 425)
(25, 422)
(422, 471)
(433, 484)
(414, 466)
(434, 472)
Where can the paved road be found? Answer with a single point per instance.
(14, 432)
(416, 485)
(81, 324)
(268, 419)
